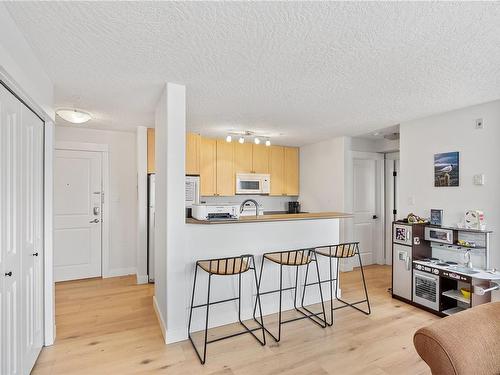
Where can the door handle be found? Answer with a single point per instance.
(8, 273)
(94, 221)
(374, 217)
(35, 254)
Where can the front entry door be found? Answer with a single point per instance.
(77, 214)
(365, 219)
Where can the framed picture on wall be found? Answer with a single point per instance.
(446, 169)
(436, 217)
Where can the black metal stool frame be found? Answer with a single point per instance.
(310, 315)
(354, 246)
(208, 304)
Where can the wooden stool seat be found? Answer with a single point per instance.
(290, 258)
(339, 251)
(230, 266)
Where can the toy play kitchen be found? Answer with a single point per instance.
(442, 269)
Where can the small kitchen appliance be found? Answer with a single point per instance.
(213, 212)
(293, 207)
(253, 183)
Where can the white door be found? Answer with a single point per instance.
(77, 214)
(365, 208)
(31, 237)
(21, 241)
(10, 252)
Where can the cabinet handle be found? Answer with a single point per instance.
(35, 254)
(8, 273)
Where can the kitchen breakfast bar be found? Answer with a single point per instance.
(253, 235)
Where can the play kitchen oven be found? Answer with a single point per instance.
(440, 289)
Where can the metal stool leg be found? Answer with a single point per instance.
(322, 322)
(352, 304)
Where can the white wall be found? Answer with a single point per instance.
(374, 145)
(21, 64)
(170, 133)
(479, 153)
(123, 192)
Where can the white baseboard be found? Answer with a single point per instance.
(114, 272)
(160, 319)
(142, 279)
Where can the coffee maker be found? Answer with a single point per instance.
(293, 207)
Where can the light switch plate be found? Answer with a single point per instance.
(479, 123)
(479, 179)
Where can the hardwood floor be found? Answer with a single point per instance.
(108, 326)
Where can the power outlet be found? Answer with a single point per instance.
(479, 123)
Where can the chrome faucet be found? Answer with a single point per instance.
(252, 201)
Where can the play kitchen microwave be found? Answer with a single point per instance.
(253, 183)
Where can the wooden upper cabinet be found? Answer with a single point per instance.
(208, 169)
(260, 159)
(277, 169)
(243, 158)
(225, 168)
(193, 144)
(291, 171)
(151, 151)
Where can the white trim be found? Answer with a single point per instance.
(142, 205)
(160, 320)
(81, 146)
(142, 279)
(48, 191)
(49, 331)
(367, 155)
(106, 216)
(115, 272)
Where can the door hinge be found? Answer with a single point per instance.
(394, 173)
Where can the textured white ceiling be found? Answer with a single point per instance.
(306, 70)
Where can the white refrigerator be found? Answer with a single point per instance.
(151, 227)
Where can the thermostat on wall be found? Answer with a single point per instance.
(479, 179)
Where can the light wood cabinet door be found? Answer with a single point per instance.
(243, 158)
(291, 171)
(225, 168)
(277, 170)
(208, 169)
(260, 159)
(193, 143)
(151, 151)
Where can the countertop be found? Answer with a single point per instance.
(480, 274)
(275, 217)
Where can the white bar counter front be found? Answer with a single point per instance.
(256, 237)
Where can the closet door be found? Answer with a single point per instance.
(10, 222)
(31, 237)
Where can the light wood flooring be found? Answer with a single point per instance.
(108, 326)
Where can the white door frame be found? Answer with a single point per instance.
(105, 217)
(378, 258)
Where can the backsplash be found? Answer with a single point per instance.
(268, 203)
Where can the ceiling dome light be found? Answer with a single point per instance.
(268, 142)
(74, 116)
(229, 139)
(257, 140)
(241, 140)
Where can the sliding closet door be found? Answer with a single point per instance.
(31, 236)
(10, 235)
(21, 235)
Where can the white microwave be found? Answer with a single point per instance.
(253, 183)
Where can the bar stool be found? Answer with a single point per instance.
(292, 258)
(233, 266)
(341, 251)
